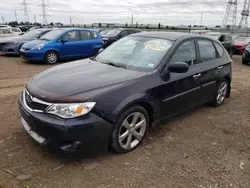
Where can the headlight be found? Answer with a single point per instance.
(71, 110)
(38, 47)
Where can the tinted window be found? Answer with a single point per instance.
(207, 50)
(85, 35)
(185, 53)
(219, 48)
(72, 36)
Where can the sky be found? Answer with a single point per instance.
(167, 12)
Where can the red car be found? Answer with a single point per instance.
(240, 44)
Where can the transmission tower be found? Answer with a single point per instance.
(44, 15)
(245, 13)
(25, 10)
(230, 15)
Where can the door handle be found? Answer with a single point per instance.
(220, 67)
(196, 76)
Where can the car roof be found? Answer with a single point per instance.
(80, 29)
(168, 35)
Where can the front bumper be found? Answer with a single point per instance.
(87, 134)
(246, 57)
(32, 55)
(11, 49)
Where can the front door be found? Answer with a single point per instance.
(71, 48)
(182, 90)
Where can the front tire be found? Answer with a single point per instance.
(130, 130)
(221, 93)
(51, 57)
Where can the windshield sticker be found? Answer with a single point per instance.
(151, 65)
(155, 47)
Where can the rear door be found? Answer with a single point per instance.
(182, 90)
(71, 48)
(91, 42)
(210, 64)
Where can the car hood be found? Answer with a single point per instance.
(14, 39)
(79, 81)
(34, 43)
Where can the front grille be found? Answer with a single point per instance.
(33, 103)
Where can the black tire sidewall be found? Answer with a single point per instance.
(115, 134)
(46, 57)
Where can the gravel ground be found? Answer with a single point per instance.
(206, 148)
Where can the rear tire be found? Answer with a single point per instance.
(51, 57)
(221, 93)
(130, 129)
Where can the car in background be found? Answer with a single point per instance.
(12, 45)
(5, 32)
(65, 43)
(104, 32)
(225, 39)
(240, 44)
(246, 56)
(114, 98)
(116, 34)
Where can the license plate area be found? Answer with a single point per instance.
(32, 133)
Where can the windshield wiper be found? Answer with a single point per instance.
(115, 64)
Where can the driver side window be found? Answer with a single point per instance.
(185, 53)
(72, 36)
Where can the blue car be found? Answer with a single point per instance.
(61, 44)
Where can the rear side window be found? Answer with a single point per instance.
(94, 35)
(185, 53)
(85, 35)
(219, 49)
(207, 50)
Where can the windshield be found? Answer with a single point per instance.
(243, 40)
(139, 53)
(52, 35)
(113, 32)
(33, 33)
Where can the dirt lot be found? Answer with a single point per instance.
(206, 148)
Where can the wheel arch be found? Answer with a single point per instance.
(133, 101)
(228, 79)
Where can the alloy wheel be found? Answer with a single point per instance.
(132, 130)
(52, 57)
(222, 92)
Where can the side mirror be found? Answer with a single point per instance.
(64, 40)
(178, 67)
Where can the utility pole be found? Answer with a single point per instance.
(70, 21)
(3, 19)
(44, 13)
(245, 14)
(35, 18)
(132, 19)
(201, 19)
(25, 10)
(16, 15)
(231, 14)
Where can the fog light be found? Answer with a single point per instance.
(70, 146)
